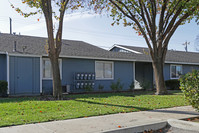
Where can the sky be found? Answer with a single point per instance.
(92, 28)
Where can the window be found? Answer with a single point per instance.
(104, 70)
(47, 70)
(176, 71)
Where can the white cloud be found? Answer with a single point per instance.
(41, 24)
(79, 15)
(31, 27)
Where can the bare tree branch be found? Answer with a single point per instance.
(172, 22)
(169, 14)
(184, 17)
(161, 22)
(59, 31)
(137, 23)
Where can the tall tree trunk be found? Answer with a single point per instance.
(57, 88)
(158, 67)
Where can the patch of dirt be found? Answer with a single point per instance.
(167, 129)
(194, 119)
(51, 98)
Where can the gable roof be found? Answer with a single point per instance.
(79, 49)
(180, 57)
(70, 48)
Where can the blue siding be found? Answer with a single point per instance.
(3, 64)
(24, 75)
(122, 71)
(115, 49)
(47, 87)
(185, 69)
(189, 68)
(166, 71)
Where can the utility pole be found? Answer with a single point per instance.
(10, 25)
(186, 44)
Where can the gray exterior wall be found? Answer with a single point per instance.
(24, 75)
(122, 71)
(3, 67)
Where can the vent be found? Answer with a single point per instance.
(15, 46)
(24, 48)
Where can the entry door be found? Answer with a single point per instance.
(24, 76)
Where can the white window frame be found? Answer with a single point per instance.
(112, 70)
(171, 70)
(60, 68)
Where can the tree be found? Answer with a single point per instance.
(54, 41)
(156, 21)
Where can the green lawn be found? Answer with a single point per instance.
(15, 111)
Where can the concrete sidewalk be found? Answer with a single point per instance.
(105, 123)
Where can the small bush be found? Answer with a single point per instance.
(100, 87)
(173, 84)
(189, 84)
(88, 88)
(3, 88)
(145, 85)
(116, 86)
(131, 86)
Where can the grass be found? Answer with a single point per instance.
(16, 111)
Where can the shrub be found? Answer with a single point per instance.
(145, 85)
(132, 86)
(88, 88)
(100, 87)
(3, 88)
(173, 84)
(116, 86)
(189, 84)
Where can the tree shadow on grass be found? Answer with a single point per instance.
(17, 99)
(114, 105)
(107, 95)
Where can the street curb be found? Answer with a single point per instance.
(141, 128)
(185, 125)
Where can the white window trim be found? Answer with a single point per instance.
(60, 67)
(171, 70)
(112, 70)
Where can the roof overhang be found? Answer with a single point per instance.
(98, 58)
(130, 50)
(2, 52)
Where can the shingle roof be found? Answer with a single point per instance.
(70, 48)
(80, 49)
(172, 56)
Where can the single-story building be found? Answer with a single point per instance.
(176, 63)
(26, 67)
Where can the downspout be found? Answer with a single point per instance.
(41, 72)
(134, 73)
(8, 71)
